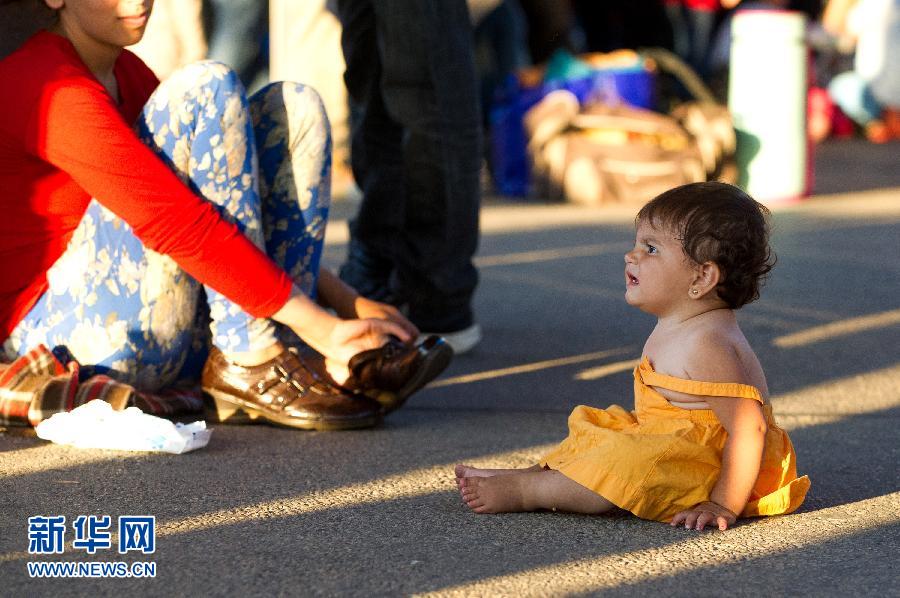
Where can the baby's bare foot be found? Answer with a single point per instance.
(494, 494)
(529, 490)
(467, 471)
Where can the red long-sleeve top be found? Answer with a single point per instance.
(64, 140)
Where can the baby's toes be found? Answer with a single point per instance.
(474, 502)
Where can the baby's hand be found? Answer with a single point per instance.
(704, 514)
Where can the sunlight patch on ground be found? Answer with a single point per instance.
(529, 367)
(706, 550)
(52, 457)
(837, 329)
(607, 370)
(828, 402)
(856, 205)
(419, 482)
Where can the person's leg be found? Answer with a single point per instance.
(500, 50)
(429, 88)
(198, 121)
(681, 35)
(701, 24)
(264, 379)
(293, 142)
(130, 312)
(853, 95)
(118, 308)
(531, 491)
(376, 158)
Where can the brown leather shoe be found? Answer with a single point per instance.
(391, 373)
(284, 391)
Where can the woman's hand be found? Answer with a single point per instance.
(349, 337)
(703, 514)
(336, 339)
(366, 308)
(349, 304)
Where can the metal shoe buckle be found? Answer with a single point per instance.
(286, 377)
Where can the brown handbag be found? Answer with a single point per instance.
(608, 154)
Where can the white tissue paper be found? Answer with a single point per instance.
(96, 425)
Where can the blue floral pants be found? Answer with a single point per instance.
(124, 310)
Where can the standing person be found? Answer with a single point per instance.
(108, 232)
(702, 446)
(870, 92)
(693, 23)
(416, 155)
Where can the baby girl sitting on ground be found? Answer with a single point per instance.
(701, 447)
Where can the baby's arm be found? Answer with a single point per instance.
(745, 424)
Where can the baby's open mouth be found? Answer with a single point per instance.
(632, 279)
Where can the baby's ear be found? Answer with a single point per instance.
(706, 277)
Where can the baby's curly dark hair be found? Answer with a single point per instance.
(719, 223)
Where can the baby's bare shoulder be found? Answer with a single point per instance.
(713, 354)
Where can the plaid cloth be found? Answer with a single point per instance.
(43, 382)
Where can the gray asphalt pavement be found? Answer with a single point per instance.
(266, 511)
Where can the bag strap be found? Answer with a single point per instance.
(670, 63)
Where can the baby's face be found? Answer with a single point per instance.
(658, 274)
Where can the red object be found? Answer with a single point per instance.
(706, 5)
(841, 125)
(63, 140)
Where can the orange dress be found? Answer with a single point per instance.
(660, 459)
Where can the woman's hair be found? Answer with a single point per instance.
(719, 223)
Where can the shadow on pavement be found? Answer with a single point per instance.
(426, 542)
(791, 573)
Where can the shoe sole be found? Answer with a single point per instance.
(435, 360)
(461, 341)
(222, 408)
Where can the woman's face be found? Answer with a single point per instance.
(110, 22)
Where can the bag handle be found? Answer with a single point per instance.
(670, 63)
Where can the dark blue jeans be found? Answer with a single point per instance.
(692, 30)
(416, 155)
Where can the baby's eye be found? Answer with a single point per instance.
(651, 249)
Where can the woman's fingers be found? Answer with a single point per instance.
(389, 327)
(393, 314)
(338, 372)
(366, 308)
(355, 336)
